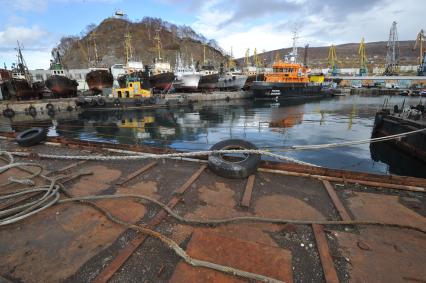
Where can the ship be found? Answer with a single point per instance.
(58, 83)
(99, 79)
(209, 78)
(21, 82)
(161, 76)
(288, 80)
(187, 77)
(233, 79)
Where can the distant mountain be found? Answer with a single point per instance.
(109, 39)
(347, 54)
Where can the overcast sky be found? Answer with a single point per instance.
(240, 24)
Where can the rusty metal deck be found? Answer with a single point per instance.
(76, 243)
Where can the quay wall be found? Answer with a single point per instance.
(40, 105)
(219, 95)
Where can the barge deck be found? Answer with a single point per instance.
(78, 242)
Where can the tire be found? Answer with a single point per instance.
(32, 111)
(69, 108)
(9, 113)
(101, 102)
(31, 137)
(230, 169)
(51, 112)
(49, 106)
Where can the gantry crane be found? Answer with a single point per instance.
(421, 71)
(332, 60)
(363, 70)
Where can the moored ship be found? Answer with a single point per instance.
(161, 76)
(232, 80)
(58, 83)
(289, 80)
(99, 79)
(209, 78)
(187, 77)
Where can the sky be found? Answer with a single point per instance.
(237, 24)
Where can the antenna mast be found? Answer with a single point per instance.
(158, 39)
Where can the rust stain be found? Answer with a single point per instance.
(248, 256)
(393, 254)
(93, 184)
(384, 208)
(279, 206)
(59, 239)
(148, 188)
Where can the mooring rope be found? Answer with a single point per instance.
(232, 151)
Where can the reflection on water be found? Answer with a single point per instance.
(268, 125)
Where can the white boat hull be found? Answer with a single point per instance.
(188, 82)
(232, 82)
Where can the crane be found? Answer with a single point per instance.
(247, 58)
(363, 70)
(332, 60)
(422, 56)
(256, 59)
(392, 55)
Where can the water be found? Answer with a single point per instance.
(268, 125)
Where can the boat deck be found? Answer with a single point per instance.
(74, 242)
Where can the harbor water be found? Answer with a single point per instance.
(269, 125)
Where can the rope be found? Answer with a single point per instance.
(209, 152)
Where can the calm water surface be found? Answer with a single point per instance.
(268, 125)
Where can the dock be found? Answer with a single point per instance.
(335, 225)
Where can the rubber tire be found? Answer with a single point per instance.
(234, 170)
(51, 112)
(9, 113)
(31, 137)
(32, 111)
(101, 102)
(49, 106)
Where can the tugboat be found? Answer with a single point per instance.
(161, 76)
(187, 78)
(58, 82)
(98, 78)
(289, 80)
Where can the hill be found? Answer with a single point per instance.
(109, 37)
(347, 54)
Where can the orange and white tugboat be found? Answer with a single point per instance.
(289, 80)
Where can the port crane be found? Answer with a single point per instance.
(421, 71)
(392, 54)
(363, 70)
(332, 60)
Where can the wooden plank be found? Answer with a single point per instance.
(125, 253)
(245, 202)
(137, 173)
(336, 201)
(330, 273)
(191, 180)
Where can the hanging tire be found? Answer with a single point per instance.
(69, 108)
(101, 102)
(234, 169)
(32, 111)
(51, 112)
(31, 137)
(49, 106)
(9, 113)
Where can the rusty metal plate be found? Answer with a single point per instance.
(248, 256)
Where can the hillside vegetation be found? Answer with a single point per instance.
(76, 51)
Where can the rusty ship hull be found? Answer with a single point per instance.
(162, 81)
(98, 80)
(62, 86)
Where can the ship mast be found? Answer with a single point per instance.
(158, 39)
(293, 55)
(95, 48)
(128, 47)
(204, 53)
(22, 66)
(247, 58)
(231, 63)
